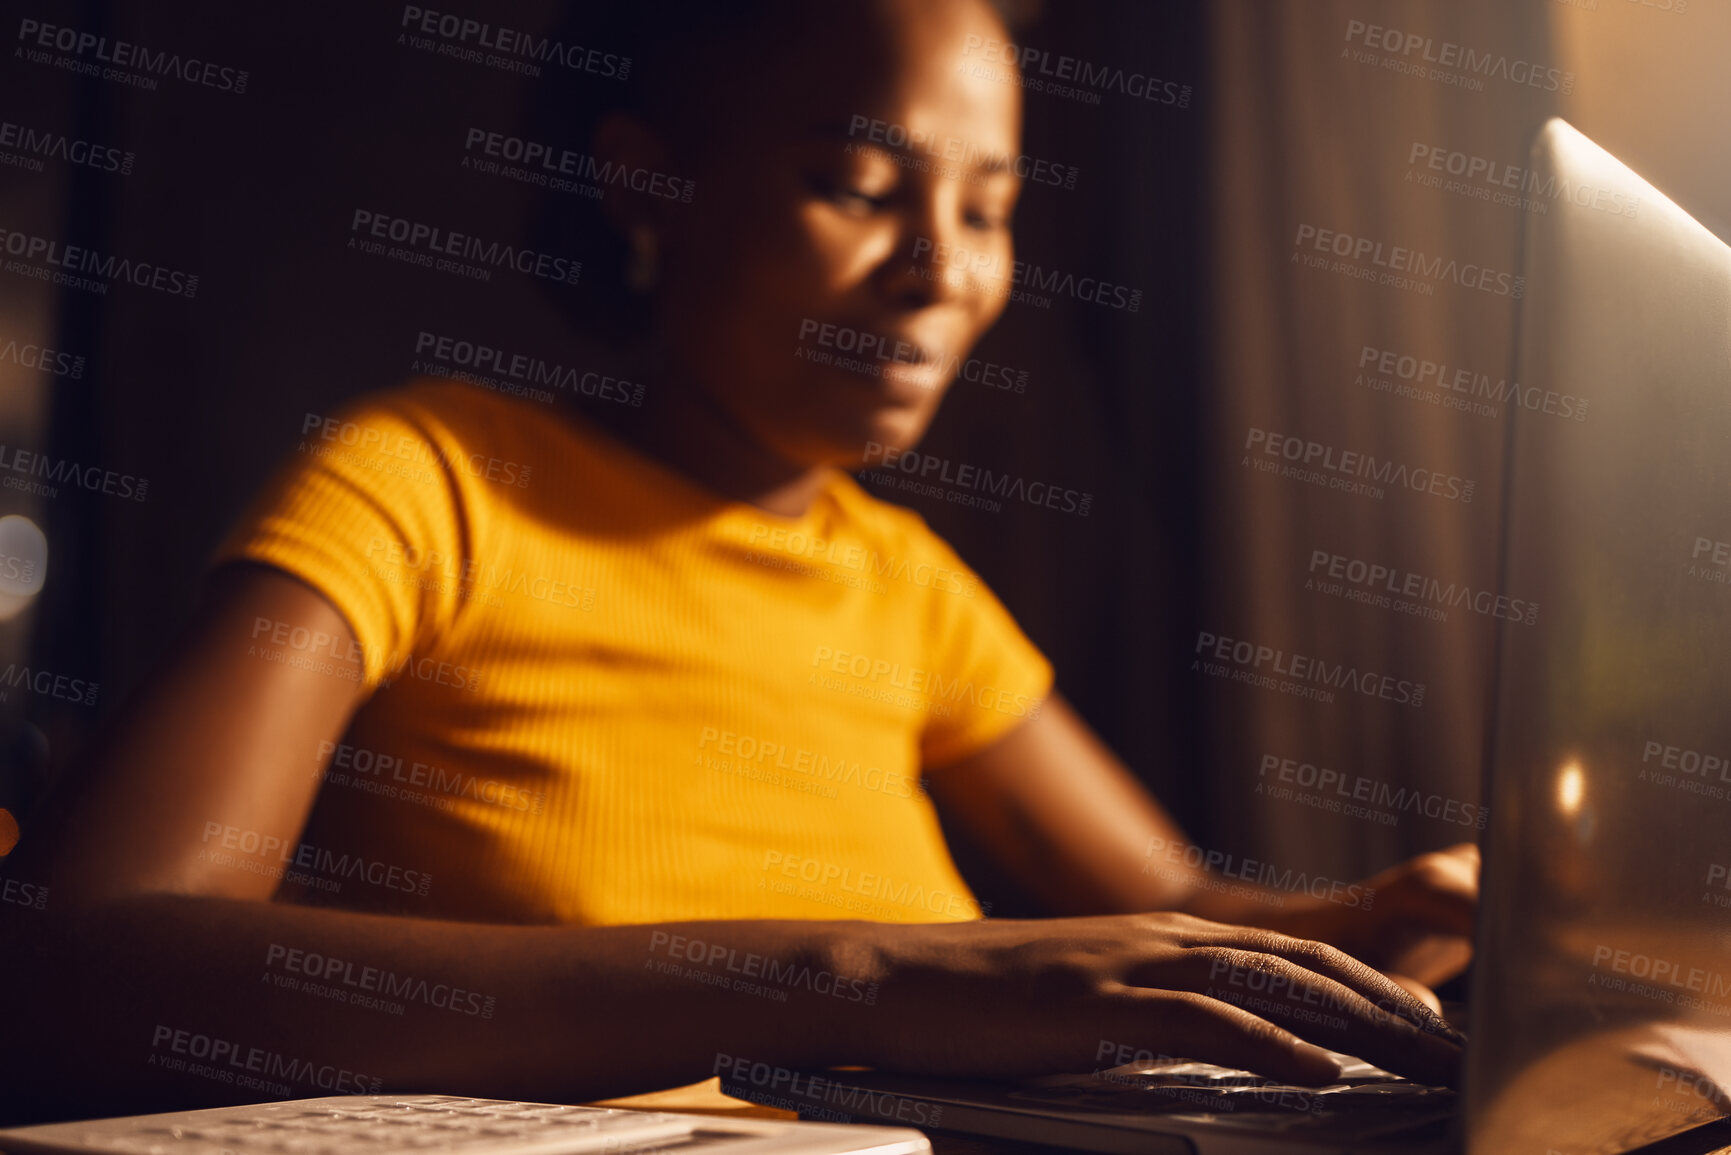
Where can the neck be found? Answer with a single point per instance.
(683, 428)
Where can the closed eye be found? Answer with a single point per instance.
(850, 198)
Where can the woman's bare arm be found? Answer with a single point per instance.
(1071, 823)
(151, 975)
(152, 940)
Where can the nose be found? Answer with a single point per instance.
(938, 261)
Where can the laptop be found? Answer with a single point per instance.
(1600, 998)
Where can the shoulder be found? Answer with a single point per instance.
(904, 543)
(431, 429)
(443, 411)
(882, 523)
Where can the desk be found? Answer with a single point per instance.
(705, 1098)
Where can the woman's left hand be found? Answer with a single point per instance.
(1417, 926)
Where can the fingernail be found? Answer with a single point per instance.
(1316, 1054)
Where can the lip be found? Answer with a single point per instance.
(903, 367)
(903, 379)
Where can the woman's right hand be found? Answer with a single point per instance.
(1009, 997)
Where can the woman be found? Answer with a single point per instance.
(525, 667)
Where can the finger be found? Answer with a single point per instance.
(1318, 1008)
(1432, 960)
(1441, 889)
(1182, 1024)
(1418, 991)
(1329, 962)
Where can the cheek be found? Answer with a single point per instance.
(760, 274)
(839, 253)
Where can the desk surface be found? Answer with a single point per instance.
(706, 1098)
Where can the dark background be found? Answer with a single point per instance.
(254, 193)
(1290, 123)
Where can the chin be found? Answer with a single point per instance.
(863, 442)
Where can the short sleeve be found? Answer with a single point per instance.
(366, 511)
(986, 677)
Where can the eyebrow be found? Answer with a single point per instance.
(989, 163)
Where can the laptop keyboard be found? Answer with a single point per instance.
(1366, 1102)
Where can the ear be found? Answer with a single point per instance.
(625, 141)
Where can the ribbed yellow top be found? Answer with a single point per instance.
(602, 694)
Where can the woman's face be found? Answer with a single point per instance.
(849, 236)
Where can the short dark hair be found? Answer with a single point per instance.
(671, 53)
(674, 54)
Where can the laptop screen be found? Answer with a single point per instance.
(1602, 997)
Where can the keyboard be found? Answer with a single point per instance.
(1365, 1102)
(382, 1124)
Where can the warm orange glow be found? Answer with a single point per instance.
(1571, 788)
(8, 832)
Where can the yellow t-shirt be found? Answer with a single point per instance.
(603, 694)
